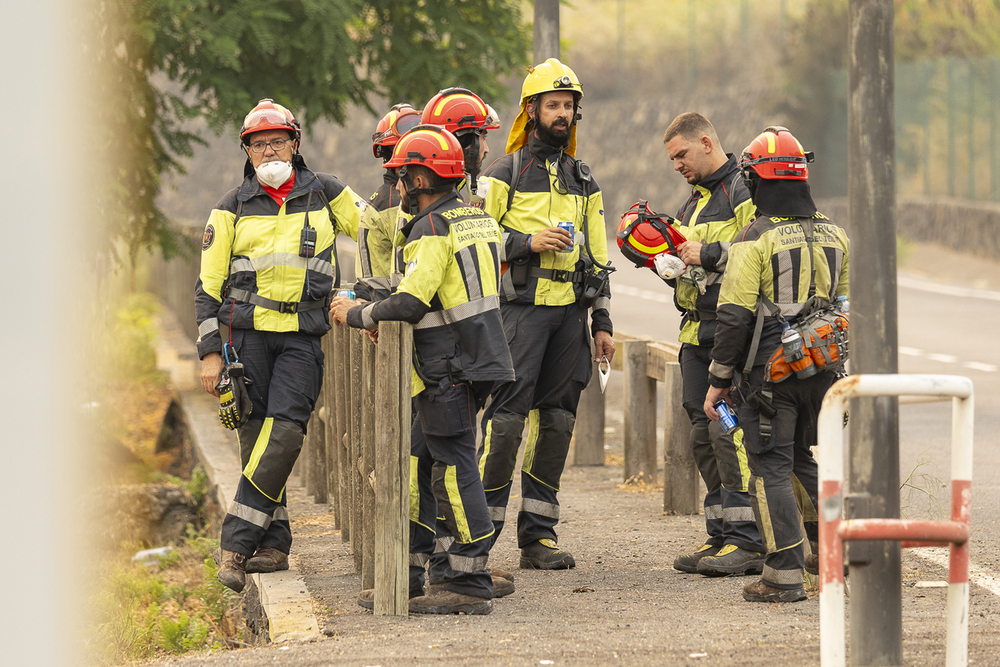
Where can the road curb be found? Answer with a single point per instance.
(283, 599)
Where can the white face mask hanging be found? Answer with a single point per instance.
(603, 372)
(275, 173)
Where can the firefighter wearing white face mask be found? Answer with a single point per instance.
(267, 269)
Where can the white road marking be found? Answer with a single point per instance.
(911, 351)
(977, 366)
(977, 575)
(943, 358)
(648, 295)
(948, 290)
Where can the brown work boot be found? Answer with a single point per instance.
(448, 602)
(543, 554)
(689, 562)
(497, 573)
(759, 591)
(812, 565)
(501, 587)
(366, 598)
(731, 559)
(267, 559)
(232, 569)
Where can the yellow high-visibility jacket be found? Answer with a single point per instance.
(449, 294)
(252, 275)
(548, 191)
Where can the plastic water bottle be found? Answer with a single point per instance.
(844, 305)
(795, 353)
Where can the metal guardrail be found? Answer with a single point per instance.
(834, 530)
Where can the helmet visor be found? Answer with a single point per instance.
(265, 119)
(399, 127)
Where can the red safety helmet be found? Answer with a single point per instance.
(642, 235)
(458, 110)
(776, 154)
(268, 115)
(429, 146)
(400, 119)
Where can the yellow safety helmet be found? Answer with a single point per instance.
(550, 76)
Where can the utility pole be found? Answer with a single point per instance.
(876, 602)
(546, 30)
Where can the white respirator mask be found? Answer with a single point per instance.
(275, 173)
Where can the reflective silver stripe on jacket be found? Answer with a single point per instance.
(602, 303)
(469, 265)
(376, 282)
(207, 327)
(504, 236)
(280, 259)
(439, 318)
(507, 285)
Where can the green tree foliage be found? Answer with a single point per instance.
(162, 64)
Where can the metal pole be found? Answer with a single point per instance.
(876, 607)
(971, 176)
(546, 30)
(692, 45)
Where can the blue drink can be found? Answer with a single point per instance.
(347, 294)
(727, 418)
(568, 226)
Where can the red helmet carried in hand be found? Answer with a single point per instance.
(400, 119)
(268, 115)
(429, 146)
(775, 154)
(643, 234)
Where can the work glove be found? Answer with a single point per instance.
(234, 401)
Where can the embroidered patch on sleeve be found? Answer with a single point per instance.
(209, 237)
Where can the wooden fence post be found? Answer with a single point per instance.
(392, 468)
(341, 369)
(330, 448)
(316, 486)
(680, 474)
(588, 435)
(640, 414)
(368, 419)
(354, 418)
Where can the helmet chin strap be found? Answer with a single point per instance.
(471, 154)
(412, 192)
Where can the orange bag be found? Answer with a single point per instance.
(825, 333)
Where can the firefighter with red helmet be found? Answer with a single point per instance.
(717, 208)
(788, 268)
(554, 285)
(268, 265)
(379, 224)
(464, 114)
(449, 293)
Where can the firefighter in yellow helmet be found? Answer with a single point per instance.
(785, 275)
(268, 265)
(449, 294)
(554, 251)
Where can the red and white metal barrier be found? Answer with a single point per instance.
(833, 530)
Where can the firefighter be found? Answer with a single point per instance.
(449, 294)
(267, 268)
(379, 224)
(549, 282)
(790, 263)
(717, 209)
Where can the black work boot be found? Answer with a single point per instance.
(731, 559)
(689, 562)
(267, 559)
(543, 554)
(760, 591)
(501, 587)
(232, 569)
(449, 602)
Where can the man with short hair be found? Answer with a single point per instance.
(267, 269)
(718, 207)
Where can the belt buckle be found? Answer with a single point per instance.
(560, 275)
(288, 307)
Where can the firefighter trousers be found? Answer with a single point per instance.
(785, 479)
(286, 370)
(551, 350)
(721, 460)
(449, 492)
